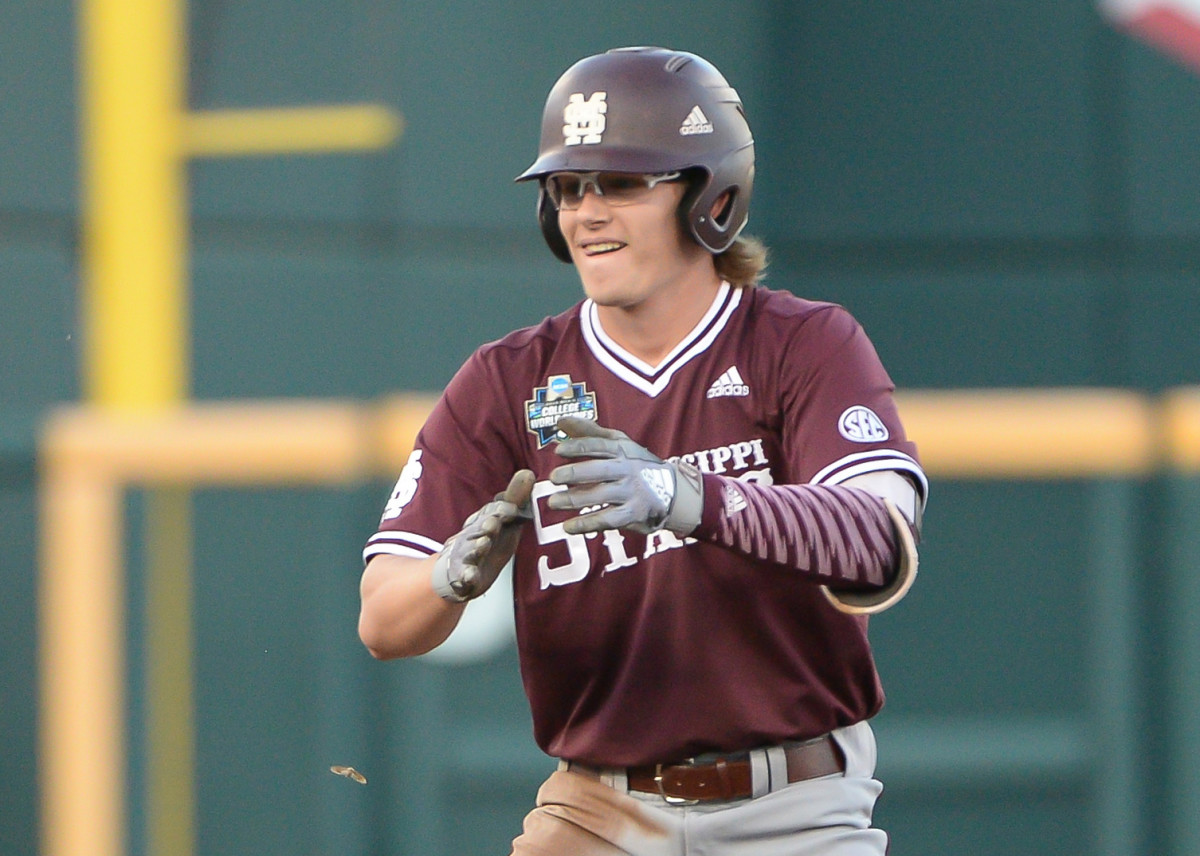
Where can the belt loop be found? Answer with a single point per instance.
(617, 779)
(760, 773)
(777, 766)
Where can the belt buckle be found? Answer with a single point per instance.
(658, 780)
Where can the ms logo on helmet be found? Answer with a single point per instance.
(585, 121)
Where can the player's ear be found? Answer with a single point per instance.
(720, 206)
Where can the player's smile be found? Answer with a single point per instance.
(598, 248)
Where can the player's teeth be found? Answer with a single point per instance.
(604, 248)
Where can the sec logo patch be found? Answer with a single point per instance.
(859, 424)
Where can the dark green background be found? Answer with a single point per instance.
(1004, 193)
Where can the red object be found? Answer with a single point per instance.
(1172, 27)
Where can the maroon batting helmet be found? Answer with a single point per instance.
(650, 110)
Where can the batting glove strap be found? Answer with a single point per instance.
(688, 506)
(442, 584)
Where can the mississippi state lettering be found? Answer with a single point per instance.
(734, 459)
(737, 455)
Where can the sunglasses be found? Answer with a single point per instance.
(566, 189)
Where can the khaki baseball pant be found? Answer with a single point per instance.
(577, 815)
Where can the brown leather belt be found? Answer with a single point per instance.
(730, 777)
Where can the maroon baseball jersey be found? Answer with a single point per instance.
(638, 649)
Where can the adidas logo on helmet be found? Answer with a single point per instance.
(696, 123)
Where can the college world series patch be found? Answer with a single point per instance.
(558, 398)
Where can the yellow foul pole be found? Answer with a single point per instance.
(134, 310)
(137, 136)
(134, 204)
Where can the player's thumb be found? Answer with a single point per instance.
(577, 426)
(519, 491)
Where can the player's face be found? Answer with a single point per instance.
(630, 251)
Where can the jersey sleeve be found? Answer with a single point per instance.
(840, 416)
(463, 456)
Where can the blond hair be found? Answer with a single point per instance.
(745, 262)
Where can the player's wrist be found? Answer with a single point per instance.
(712, 507)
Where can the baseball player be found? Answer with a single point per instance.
(703, 484)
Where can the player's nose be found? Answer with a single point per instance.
(592, 205)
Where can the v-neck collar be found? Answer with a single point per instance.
(641, 375)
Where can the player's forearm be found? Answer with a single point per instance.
(839, 536)
(401, 615)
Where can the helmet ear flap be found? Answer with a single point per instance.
(735, 176)
(547, 216)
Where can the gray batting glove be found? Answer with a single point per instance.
(635, 488)
(472, 559)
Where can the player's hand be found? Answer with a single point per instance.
(635, 488)
(472, 559)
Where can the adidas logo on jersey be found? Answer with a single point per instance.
(729, 383)
(695, 123)
(734, 501)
